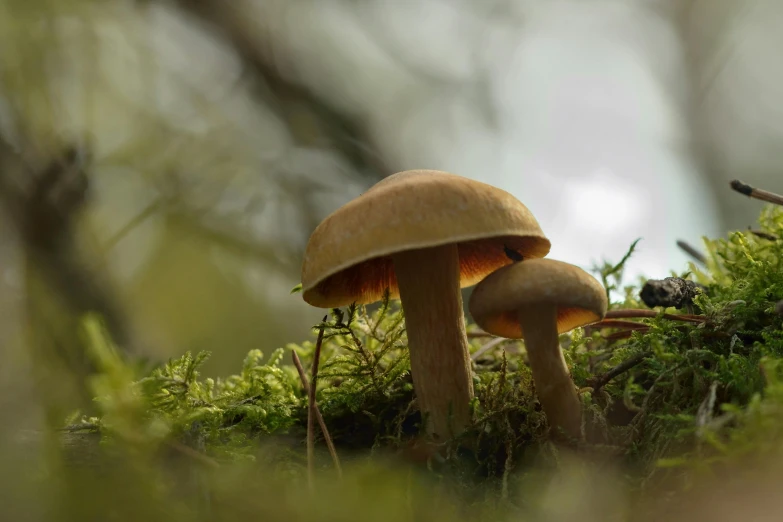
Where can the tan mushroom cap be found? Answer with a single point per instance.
(348, 256)
(579, 297)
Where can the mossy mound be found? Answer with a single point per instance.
(673, 396)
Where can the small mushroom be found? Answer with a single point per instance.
(424, 235)
(536, 300)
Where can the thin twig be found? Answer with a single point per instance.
(763, 235)
(752, 192)
(600, 381)
(319, 417)
(134, 222)
(624, 334)
(614, 323)
(631, 313)
(311, 409)
(691, 251)
(484, 349)
(479, 334)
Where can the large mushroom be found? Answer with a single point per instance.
(424, 235)
(537, 300)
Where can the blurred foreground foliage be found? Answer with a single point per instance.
(702, 399)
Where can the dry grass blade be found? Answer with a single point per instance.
(319, 417)
(311, 409)
(490, 345)
(692, 251)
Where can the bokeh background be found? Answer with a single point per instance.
(218, 134)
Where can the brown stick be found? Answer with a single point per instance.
(752, 192)
(613, 323)
(630, 313)
(319, 417)
(311, 409)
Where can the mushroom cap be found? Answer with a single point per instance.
(348, 258)
(579, 297)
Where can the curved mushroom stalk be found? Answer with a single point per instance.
(428, 280)
(537, 300)
(554, 386)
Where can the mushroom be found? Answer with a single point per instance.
(424, 235)
(537, 300)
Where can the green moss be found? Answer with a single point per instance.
(703, 394)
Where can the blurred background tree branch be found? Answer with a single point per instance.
(220, 133)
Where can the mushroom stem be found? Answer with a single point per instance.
(429, 284)
(555, 389)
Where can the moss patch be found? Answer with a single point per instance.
(693, 396)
